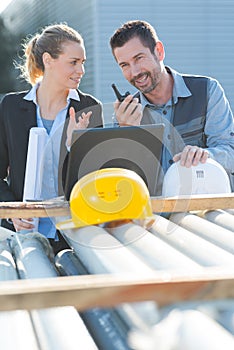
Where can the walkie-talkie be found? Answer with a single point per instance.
(122, 97)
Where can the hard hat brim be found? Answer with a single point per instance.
(68, 225)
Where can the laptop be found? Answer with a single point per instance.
(137, 148)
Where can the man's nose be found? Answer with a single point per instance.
(135, 70)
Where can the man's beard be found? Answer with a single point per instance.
(155, 78)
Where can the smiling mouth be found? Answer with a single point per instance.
(141, 79)
(76, 80)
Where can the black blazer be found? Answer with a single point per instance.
(17, 117)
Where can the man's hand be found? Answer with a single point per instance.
(191, 155)
(128, 112)
(83, 122)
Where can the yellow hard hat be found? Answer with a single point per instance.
(107, 195)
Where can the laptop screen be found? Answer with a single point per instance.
(136, 148)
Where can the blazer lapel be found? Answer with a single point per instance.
(28, 112)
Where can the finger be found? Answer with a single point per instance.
(205, 156)
(124, 104)
(83, 122)
(25, 224)
(86, 116)
(183, 156)
(116, 105)
(129, 104)
(190, 158)
(129, 113)
(16, 223)
(72, 115)
(22, 224)
(197, 156)
(177, 157)
(132, 107)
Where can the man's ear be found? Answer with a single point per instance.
(159, 51)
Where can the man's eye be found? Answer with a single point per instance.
(123, 66)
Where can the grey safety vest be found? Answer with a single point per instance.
(189, 113)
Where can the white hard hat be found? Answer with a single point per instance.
(205, 178)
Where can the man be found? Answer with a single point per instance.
(198, 118)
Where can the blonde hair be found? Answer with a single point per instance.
(50, 40)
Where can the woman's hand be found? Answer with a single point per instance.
(83, 122)
(22, 224)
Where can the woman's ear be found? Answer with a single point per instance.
(46, 58)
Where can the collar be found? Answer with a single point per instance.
(32, 96)
(179, 88)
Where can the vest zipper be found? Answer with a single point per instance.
(192, 133)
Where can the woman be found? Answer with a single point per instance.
(54, 66)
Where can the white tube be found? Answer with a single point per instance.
(32, 252)
(55, 327)
(211, 232)
(61, 328)
(7, 264)
(221, 218)
(198, 331)
(197, 248)
(183, 330)
(153, 250)
(17, 331)
(230, 211)
(102, 253)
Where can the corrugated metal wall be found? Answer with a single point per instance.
(198, 35)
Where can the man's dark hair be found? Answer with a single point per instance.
(141, 29)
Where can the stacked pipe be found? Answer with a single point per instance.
(188, 243)
(106, 327)
(55, 328)
(102, 253)
(179, 244)
(16, 327)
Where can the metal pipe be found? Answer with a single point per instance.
(230, 211)
(57, 328)
(7, 264)
(192, 335)
(17, 331)
(158, 254)
(197, 248)
(190, 330)
(68, 263)
(61, 328)
(33, 255)
(221, 218)
(100, 253)
(16, 327)
(209, 231)
(105, 325)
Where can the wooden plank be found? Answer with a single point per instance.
(34, 209)
(89, 291)
(193, 203)
(159, 205)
